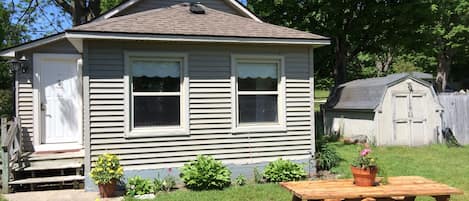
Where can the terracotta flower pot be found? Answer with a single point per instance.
(107, 190)
(364, 177)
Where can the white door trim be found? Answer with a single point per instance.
(37, 124)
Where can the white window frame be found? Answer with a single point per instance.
(279, 126)
(183, 128)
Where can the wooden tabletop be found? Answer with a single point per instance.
(345, 189)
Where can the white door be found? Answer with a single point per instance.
(409, 119)
(60, 98)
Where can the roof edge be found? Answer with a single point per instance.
(124, 5)
(193, 38)
(10, 52)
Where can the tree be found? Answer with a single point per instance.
(447, 34)
(354, 26)
(10, 34)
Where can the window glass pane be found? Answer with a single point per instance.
(156, 76)
(156, 111)
(257, 76)
(257, 108)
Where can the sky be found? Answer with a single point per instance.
(50, 19)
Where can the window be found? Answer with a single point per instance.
(156, 99)
(259, 89)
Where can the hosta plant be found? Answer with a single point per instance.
(283, 170)
(205, 173)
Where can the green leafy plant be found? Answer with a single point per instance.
(365, 159)
(205, 173)
(140, 186)
(107, 168)
(241, 180)
(326, 156)
(165, 184)
(283, 170)
(258, 178)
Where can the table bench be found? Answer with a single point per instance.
(404, 188)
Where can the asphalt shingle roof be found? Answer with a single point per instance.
(178, 20)
(367, 93)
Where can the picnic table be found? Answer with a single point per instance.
(398, 188)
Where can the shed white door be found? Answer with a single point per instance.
(409, 118)
(60, 98)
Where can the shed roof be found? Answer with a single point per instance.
(178, 20)
(366, 94)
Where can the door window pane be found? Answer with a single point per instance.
(156, 76)
(257, 108)
(156, 111)
(257, 76)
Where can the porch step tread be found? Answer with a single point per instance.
(54, 156)
(49, 179)
(53, 165)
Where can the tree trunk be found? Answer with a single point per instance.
(340, 62)
(444, 65)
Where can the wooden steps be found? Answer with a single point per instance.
(55, 179)
(48, 170)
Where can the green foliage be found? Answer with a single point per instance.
(5, 103)
(165, 184)
(326, 157)
(139, 186)
(258, 178)
(108, 4)
(205, 173)
(365, 159)
(241, 180)
(283, 170)
(106, 169)
(324, 83)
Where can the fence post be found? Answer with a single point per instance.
(5, 158)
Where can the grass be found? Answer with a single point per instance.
(251, 192)
(437, 162)
(319, 94)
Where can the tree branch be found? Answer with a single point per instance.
(65, 5)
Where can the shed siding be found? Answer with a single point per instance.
(145, 5)
(25, 87)
(210, 107)
(350, 123)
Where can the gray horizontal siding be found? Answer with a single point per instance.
(210, 108)
(153, 4)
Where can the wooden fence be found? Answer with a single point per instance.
(456, 114)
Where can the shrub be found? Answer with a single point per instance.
(6, 104)
(283, 170)
(107, 168)
(205, 173)
(258, 176)
(139, 186)
(326, 157)
(240, 180)
(165, 184)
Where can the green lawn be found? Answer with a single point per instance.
(446, 165)
(437, 162)
(321, 94)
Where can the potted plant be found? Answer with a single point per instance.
(106, 172)
(364, 168)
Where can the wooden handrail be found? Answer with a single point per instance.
(12, 131)
(11, 151)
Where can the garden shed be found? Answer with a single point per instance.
(399, 109)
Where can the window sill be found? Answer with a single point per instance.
(259, 128)
(162, 132)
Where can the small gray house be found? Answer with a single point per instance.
(158, 82)
(399, 109)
